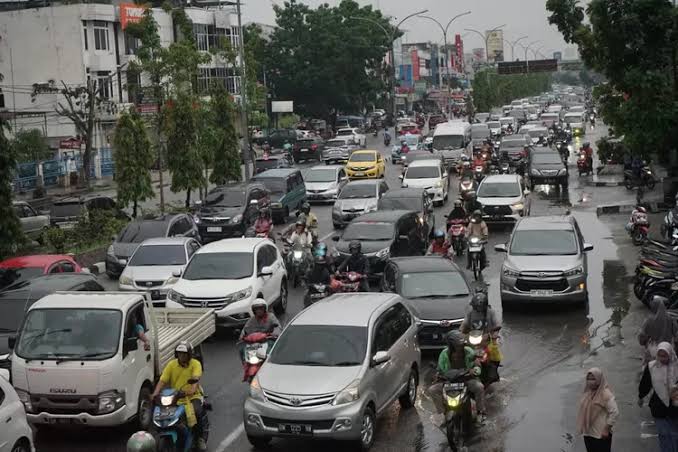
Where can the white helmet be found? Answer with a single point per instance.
(259, 303)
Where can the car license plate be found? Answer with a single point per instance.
(541, 292)
(359, 174)
(61, 420)
(213, 229)
(475, 249)
(296, 429)
(674, 286)
(303, 150)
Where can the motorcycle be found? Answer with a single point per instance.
(670, 227)
(460, 409)
(169, 419)
(646, 178)
(478, 173)
(295, 259)
(387, 139)
(504, 168)
(475, 249)
(316, 292)
(638, 226)
(346, 282)
(255, 351)
(457, 233)
(563, 149)
(583, 166)
(466, 185)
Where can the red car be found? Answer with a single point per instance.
(412, 129)
(23, 268)
(434, 120)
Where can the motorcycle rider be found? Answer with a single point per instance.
(588, 150)
(477, 228)
(483, 318)
(472, 203)
(387, 138)
(183, 374)
(264, 224)
(439, 246)
(310, 218)
(356, 262)
(321, 271)
(262, 321)
(404, 148)
(301, 238)
(454, 357)
(458, 212)
(509, 129)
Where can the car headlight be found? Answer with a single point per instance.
(125, 280)
(255, 390)
(575, 271)
(384, 254)
(175, 296)
(510, 272)
(25, 399)
(438, 184)
(371, 208)
(110, 401)
(276, 204)
(241, 294)
(348, 394)
(331, 191)
(110, 252)
(196, 219)
(518, 206)
(236, 219)
(535, 172)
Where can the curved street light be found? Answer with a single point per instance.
(445, 29)
(513, 45)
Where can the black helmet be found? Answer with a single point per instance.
(477, 214)
(183, 347)
(586, 144)
(355, 245)
(479, 301)
(457, 202)
(454, 340)
(439, 234)
(306, 208)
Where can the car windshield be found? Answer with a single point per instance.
(71, 209)
(506, 120)
(422, 172)
(572, 118)
(138, 231)
(70, 333)
(9, 276)
(277, 185)
(264, 164)
(536, 133)
(321, 175)
(549, 242)
(363, 157)
(448, 142)
(368, 231)
(480, 133)
(400, 203)
(546, 158)
(344, 132)
(335, 143)
(320, 345)
(158, 255)
(499, 190)
(494, 124)
(515, 143)
(358, 191)
(219, 266)
(433, 284)
(226, 198)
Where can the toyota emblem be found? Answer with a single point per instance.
(295, 401)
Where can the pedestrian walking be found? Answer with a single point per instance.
(657, 329)
(597, 412)
(660, 376)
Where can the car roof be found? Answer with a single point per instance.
(501, 178)
(553, 222)
(425, 162)
(322, 167)
(82, 198)
(42, 285)
(38, 260)
(404, 193)
(345, 309)
(166, 218)
(374, 182)
(424, 264)
(275, 172)
(156, 241)
(236, 245)
(93, 300)
(385, 216)
(364, 151)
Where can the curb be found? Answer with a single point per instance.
(607, 184)
(614, 209)
(98, 268)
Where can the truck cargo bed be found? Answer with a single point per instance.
(176, 325)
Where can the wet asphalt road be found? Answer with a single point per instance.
(531, 410)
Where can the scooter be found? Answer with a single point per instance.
(169, 419)
(346, 282)
(583, 166)
(295, 258)
(475, 249)
(478, 173)
(460, 408)
(639, 226)
(466, 185)
(646, 178)
(387, 139)
(504, 168)
(316, 292)
(256, 349)
(457, 233)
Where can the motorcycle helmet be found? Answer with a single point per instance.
(464, 158)
(141, 442)
(300, 222)
(457, 203)
(438, 234)
(183, 347)
(258, 303)
(454, 340)
(479, 301)
(355, 245)
(477, 215)
(306, 208)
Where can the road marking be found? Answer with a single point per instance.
(230, 439)
(322, 239)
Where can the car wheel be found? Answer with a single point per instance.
(367, 429)
(410, 395)
(144, 409)
(281, 307)
(22, 446)
(259, 442)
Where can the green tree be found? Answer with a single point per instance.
(226, 152)
(11, 234)
(30, 145)
(493, 90)
(633, 44)
(133, 157)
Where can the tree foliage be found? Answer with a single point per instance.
(226, 150)
(493, 90)
(328, 58)
(133, 155)
(633, 44)
(30, 145)
(11, 234)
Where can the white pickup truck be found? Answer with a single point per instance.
(77, 358)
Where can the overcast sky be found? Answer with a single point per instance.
(522, 17)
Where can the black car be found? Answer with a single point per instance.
(16, 300)
(228, 210)
(65, 212)
(516, 145)
(436, 290)
(385, 234)
(273, 161)
(310, 148)
(411, 199)
(277, 138)
(127, 241)
(547, 167)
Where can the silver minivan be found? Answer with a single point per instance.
(335, 368)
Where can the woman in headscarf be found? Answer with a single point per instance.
(597, 412)
(660, 376)
(658, 328)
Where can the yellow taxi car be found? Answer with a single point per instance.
(365, 165)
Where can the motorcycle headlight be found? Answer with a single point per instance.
(255, 390)
(110, 401)
(535, 172)
(453, 401)
(236, 219)
(383, 254)
(166, 400)
(175, 296)
(125, 280)
(241, 295)
(298, 254)
(575, 271)
(348, 394)
(475, 240)
(510, 272)
(25, 399)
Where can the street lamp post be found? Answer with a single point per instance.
(527, 62)
(445, 29)
(513, 45)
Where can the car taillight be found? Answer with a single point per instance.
(314, 147)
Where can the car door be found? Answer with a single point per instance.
(30, 220)
(384, 376)
(342, 179)
(12, 417)
(273, 282)
(380, 165)
(404, 343)
(134, 362)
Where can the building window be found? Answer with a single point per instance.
(131, 44)
(104, 84)
(134, 92)
(235, 37)
(200, 33)
(84, 33)
(101, 35)
(224, 76)
(208, 37)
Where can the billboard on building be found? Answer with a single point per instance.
(415, 65)
(406, 75)
(130, 12)
(495, 45)
(459, 43)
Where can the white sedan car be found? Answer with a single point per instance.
(15, 435)
(355, 133)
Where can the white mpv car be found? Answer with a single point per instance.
(15, 435)
(430, 175)
(228, 275)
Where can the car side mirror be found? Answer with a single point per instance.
(526, 192)
(197, 203)
(335, 238)
(588, 247)
(500, 248)
(266, 271)
(380, 358)
(122, 262)
(11, 342)
(176, 273)
(129, 345)
(261, 354)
